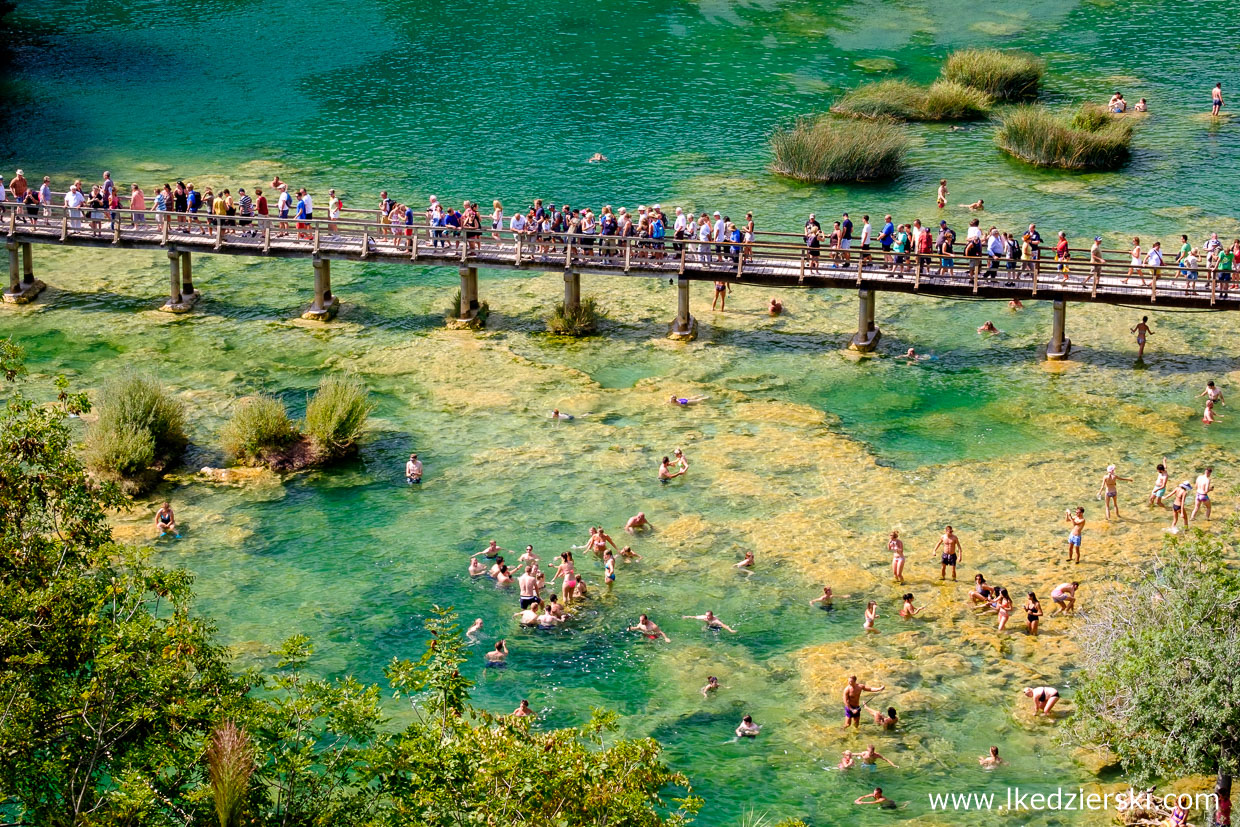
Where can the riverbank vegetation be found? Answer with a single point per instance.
(904, 100)
(261, 433)
(827, 149)
(1003, 74)
(139, 433)
(121, 707)
(1089, 139)
(581, 321)
(1160, 660)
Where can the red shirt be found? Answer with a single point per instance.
(1062, 248)
(262, 205)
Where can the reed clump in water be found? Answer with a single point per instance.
(1089, 139)
(1004, 74)
(904, 100)
(827, 149)
(260, 429)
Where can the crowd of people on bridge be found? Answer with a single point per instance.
(545, 228)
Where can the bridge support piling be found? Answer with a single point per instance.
(187, 274)
(23, 286)
(1058, 348)
(572, 290)
(867, 336)
(181, 295)
(685, 327)
(469, 314)
(325, 306)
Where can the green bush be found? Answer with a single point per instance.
(580, 322)
(1002, 74)
(336, 416)
(828, 149)
(1091, 117)
(125, 450)
(259, 425)
(1081, 142)
(140, 425)
(903, 100)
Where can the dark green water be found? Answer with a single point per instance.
(509, 101)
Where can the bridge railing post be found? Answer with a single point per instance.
(568, 252)
(520, 244)
(315, 249)
(628, 253)
(1035, 277)
(1153, 284)
(266, 235)
(860, 267)
(1210, 276)
(163, 229)
(64, 226)
(684, 253)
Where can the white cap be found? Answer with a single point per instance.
(658, 206)
(1110, 469)
(716, 212)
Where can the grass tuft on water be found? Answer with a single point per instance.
(140, 431)
(580, 322)
(453, 310)
(336, 416)
(1086, 140)
(1003, 74)
(826, 149)
(259, 427)
(903, 100)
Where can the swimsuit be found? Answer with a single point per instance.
(527, 601)
(949, 559)
(1074, 539)
(851, 712)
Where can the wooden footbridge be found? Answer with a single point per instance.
(772, 260)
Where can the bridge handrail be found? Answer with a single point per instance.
(374, 238)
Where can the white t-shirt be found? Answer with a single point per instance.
(305, 199)
(865, 234)
(1154, 258)
(285, 201)
(517, 224)
(973, 233)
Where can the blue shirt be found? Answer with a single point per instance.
(889, 232)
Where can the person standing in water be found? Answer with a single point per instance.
(1178, 509)
(1142, 329)
(1216, 99)
(941, 199)
(1160, 486)
(666, 474)
(852, 700)
(413, 470)
(1204, 486)
(953, 552)
(871, 615)
(1074, 535)
(1033, 614)
(896, 546)
(609, 567)
(1108, 492)
(1212, 393)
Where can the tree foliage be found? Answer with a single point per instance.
(1161, 677)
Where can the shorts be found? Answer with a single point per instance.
(949, 559)
(1061, 599)
(851, 712)
(1203, 498)
(526, 602)
(845, 243)
(1074, 540)
(886, 245)
(1225, 275)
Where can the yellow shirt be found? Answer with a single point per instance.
(218, 206)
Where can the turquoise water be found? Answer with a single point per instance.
(803, 453)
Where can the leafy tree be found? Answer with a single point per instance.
(107, 685)
(1161, 677)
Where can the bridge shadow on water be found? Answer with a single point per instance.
(767, 334)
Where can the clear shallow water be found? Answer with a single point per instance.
(804, 453)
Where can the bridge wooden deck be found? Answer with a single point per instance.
(771, 260)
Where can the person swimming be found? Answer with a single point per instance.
(887, 721)
(497, 658)
(712, 685)
(555, 414)
(989, 327)
(991, 760)
(650, 629)
(775, 306)
(687, 400)
(747, 728)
